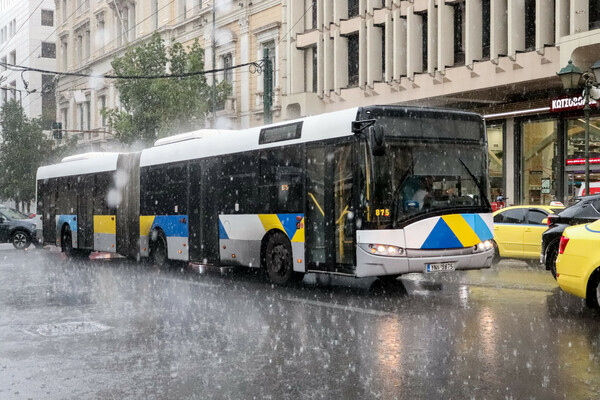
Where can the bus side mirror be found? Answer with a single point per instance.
(377, 140)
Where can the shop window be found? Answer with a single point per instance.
(575, 162)
(538, 152)
(496, 160)
(576, 139)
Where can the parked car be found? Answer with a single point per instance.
(16, 228)
(585, 210)
(518, 231)
(578, 262)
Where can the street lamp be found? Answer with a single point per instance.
(573, 78)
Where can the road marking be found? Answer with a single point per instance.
(341, 307)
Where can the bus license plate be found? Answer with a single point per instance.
(439, 267)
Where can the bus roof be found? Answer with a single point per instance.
(318, 127)
(80, 164)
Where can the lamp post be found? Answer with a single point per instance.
(573, 78)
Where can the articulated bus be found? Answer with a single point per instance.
(370, 191)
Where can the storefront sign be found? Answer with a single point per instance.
(569, 103)
(581, 161)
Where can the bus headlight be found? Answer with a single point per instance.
(482, 246)
(383, 249)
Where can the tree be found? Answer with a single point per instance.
(153, 108)
(24, 148)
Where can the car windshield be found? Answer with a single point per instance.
(11, 213)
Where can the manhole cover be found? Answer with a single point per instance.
(70, 328)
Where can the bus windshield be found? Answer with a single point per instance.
(415, 178)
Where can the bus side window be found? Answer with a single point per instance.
(281, 179)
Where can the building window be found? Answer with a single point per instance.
(48, 101)
(100, 36)
(64, 11)
(485, 40)
(154, 14)
(315, 66)
(3, 64)
(594, 14)
(353, 8)
(118, 28)
(12, 57)
(353, 60)
(101, 107)
(65, 55)
(64, 117)
(459, 49)
(182, 10)
(530, 25)
(48, 50)
(227, 64)
(131, 24)
(270, 45)
(47, 18)
(314, 14)
(79, 49)
(425, 43)
(82, 5)
(84, 116)
(13, 90)
(538, 150)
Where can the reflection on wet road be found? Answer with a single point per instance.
(118, 329)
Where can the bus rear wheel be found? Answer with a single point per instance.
(158, 250)
(278, 259)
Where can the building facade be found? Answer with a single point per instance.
(496, 57)
(27, 39)
(92, 33)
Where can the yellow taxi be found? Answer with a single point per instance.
(518, 231)
(578, 262)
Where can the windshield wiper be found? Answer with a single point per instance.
(481, 191)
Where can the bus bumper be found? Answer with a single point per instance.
(373, 265)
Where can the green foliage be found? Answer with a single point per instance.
(153, 108)
(24, 148)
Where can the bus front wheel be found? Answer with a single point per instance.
(158, 249)
(278, 259)
(66, 242)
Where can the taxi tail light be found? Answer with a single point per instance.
(563, 243)
(552, 219)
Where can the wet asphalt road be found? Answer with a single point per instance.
(114, 329)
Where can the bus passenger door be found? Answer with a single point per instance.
(85, 211)
(330, 238)
(195, 211)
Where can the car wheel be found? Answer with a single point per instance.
(158, 249)
(496, 259)
(551, 255)
(20, 240)
(278, 260)
(592, 299)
